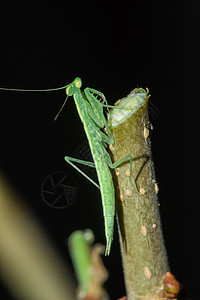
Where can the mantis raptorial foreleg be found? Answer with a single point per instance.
(94, 116)
(97, 109)
(89, 92)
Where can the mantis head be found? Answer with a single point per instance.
(73, 87)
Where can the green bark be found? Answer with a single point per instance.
(143, 251)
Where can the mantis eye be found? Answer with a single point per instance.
(78, 82)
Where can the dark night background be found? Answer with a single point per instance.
(113, 48)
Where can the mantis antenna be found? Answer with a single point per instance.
(25, 90)
(60, 109)
(44, 90)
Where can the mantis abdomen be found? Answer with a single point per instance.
(108, 200)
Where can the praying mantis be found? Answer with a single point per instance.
(99, 136)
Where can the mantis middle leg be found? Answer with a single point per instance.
(83, 162)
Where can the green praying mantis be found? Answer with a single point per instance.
(99, 135)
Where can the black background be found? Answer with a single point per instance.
(113, 47)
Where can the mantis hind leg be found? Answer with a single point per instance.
(83, 162)
(118, 163)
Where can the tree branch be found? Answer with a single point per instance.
(143, 252)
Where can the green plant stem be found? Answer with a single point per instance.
(79, 251)
(143, 252)
(89, 268)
